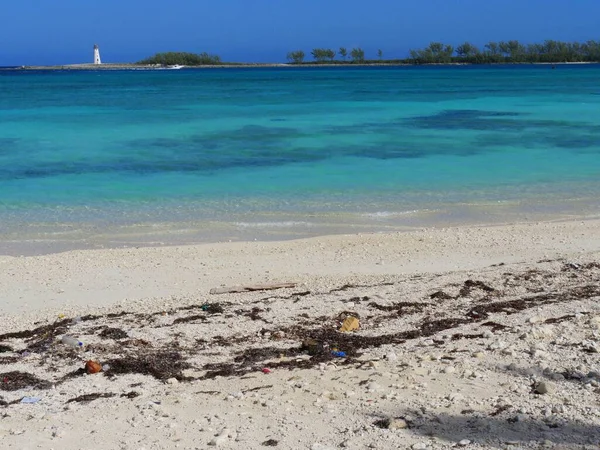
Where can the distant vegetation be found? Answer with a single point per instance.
(438, 53)
(181, 58)
(509, 52)
(435, 53)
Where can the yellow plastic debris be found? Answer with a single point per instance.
(350, 324)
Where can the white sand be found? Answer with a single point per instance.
(306, 407)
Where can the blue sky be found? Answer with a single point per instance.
(44, 32)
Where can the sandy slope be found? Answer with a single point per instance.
(458, 327)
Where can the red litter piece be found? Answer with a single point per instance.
(265, 370)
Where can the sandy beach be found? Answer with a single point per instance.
(476, 337)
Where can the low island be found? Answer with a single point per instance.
(436, 53)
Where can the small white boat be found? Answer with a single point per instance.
(175, 67)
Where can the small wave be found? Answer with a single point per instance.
(389, 214)
(286, 224)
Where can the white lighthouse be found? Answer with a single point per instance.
(97, 55)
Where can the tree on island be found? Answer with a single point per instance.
(182, 58)
(296, 57)
(343, 52)
(492, 52)
(466, 50)
(435, 53)
(357, 55)
(321, 55)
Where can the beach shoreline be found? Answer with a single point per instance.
(425, 249)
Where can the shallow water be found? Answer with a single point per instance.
(197, 155)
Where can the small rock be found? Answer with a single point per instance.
(419, 446)
(464, 443)
(455, 397)
(449, 369)
(318, 446)
(591, 347)
(221, 439)
(373, 387)
(397, 424)
(544, 387)
(391, 356)
(595, 322)
(279, 335)
(172, 381)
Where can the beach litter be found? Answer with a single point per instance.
(30, 400)
(71, 341)
(350, 324)
(266, 371)
(92, 367)
(212, 308)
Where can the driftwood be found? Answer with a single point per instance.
(252, 287)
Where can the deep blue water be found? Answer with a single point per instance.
(126, 148)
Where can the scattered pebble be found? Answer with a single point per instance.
(544, 387)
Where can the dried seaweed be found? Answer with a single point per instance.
(400, 306)
(470, 285)
(130, 395)
(162, 365)
(435, 326)
(9, 359)
(560, 319)
(40, 338)
(87, 398)
(188, 319)
(458, 336)
(13, 381)
(495, 326)
(113, 333)
(441, 295)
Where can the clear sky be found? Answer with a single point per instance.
(64, 31)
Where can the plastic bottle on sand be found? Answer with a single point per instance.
(71, 341)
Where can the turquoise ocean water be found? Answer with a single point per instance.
(194, 155)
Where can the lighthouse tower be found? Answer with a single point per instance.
(97, 55)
